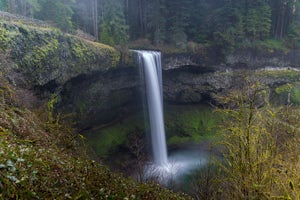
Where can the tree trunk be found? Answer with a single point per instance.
(142, 18)
(127, 11)
(282, 21)
(95, 19)
(12, 6)
(20, 7)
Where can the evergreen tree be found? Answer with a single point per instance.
(82, 17)
(113, 28)
(57, 11)
(257, 21)
(4, 4)
(20, 7)
(95, 17)
(30, 7)
(198, 29)
(294, 27)
(156, 21)
(224, 24)
(227, 23)
(178, 15)
(283, 13)
(136, 18)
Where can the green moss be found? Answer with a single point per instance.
(182, 124)
(38, 57)
(107, 51)
(109, 139)
(80, 51)
(178, 140)
(295, 94)
(288, 92)
(190, 124)
(4, 39)
(288, 74)
(283, 89)
(45, 54)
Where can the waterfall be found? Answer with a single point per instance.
(150, 64)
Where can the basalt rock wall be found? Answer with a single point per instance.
(98, 84)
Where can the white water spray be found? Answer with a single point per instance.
(162, 168)
(150, 62)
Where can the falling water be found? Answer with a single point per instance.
(150, 63)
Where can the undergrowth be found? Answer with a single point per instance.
(260, 146)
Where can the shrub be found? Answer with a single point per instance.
(260, 144)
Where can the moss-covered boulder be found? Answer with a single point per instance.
(47, 55)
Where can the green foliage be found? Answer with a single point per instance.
(258, 20)
(290, 75)
(289, 93)
(113, 28)
(58, 12)
(105, 35)
(108, 139)
(258, 147)
(190, 124)
(218, 23)
(294, 34)
(283, 88)
(50, 108)
(24, 7)
(295, 94)
(156, 22)
(182, 124)
(269, 45)
(4, 39)
(3, 5)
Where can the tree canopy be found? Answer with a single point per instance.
(175, 22)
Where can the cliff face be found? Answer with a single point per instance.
(104, 96)
(95, 83)
(258, 58)
(41, 62)
(101, 97)
(197, 82)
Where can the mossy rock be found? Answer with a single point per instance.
(47, 54)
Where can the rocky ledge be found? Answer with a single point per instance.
(104, 97)
(98, 84)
